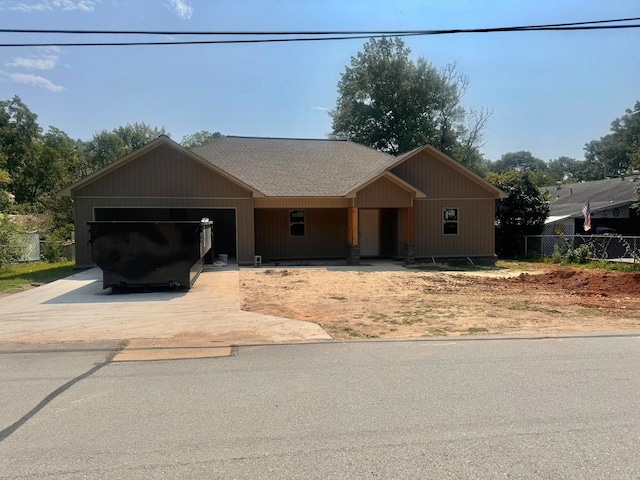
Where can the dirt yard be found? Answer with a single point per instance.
(393, 301)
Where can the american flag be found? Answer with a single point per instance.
(586, 211)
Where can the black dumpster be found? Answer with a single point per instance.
(149, 254)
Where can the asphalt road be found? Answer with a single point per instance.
(460, 408)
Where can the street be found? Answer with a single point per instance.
(445, 408)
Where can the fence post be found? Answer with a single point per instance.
(526, 249)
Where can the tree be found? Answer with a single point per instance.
(392, 104)
(106, 147)
(199, 138)
(522, 213)
(5, 195)
(614, 153)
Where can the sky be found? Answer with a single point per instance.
(550, 92)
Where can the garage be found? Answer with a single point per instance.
(224, 223)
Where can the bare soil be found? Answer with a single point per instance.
(399, 302)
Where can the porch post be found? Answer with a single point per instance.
(353, 254)
(409, 246)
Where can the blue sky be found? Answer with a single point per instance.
(551, 92)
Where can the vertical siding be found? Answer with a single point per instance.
(325, 234)
(163, 172)
(476, 229)
(83, 213)
(383, 193)
(437, 179)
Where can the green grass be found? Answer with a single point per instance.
(14, 278)
(474, 330)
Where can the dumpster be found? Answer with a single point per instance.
(149, 253)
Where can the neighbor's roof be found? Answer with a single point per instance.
(288, 167)
(568, 200)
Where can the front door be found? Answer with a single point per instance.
(369, 223)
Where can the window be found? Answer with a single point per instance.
(450, 221)
(296, 223)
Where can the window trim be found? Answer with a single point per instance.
(303, 222)
(456, 221)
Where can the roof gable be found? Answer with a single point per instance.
(159, 144)
(440, 176)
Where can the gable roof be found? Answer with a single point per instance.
(293, 167)
(455, 165)
(161, 140)
(288, 167)
(568, 200)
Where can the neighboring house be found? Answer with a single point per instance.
(298, 199)
(610, 202)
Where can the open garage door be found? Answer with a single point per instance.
(224, 222)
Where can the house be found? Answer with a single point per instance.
(610, 202)
(298, 199)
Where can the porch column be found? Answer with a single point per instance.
(409, 246)
(353, 254)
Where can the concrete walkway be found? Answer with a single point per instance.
(76, 308)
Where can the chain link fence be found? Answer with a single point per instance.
(602, 247)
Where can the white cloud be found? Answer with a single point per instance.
(322, 109)
(48, 5)
(45, 62)
(182, 8)
(35, 80)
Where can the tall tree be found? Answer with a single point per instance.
(614, 154)
(19, 134)
(522, 213)
(390, 103)
(199, 138)
(106, 147)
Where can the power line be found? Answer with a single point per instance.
(349, 36)
(306, 32)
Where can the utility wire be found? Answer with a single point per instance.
(303, 32)
(583, 26)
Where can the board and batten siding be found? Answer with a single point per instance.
(383, 193)
(325, 234)
(163, 172)
(476, 230)
(438, 179)
(84, 208)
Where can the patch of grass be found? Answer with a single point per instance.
(377, 317)
(474, 330)
(351, 332)
(14, 278)
(333, 297)
(436, 332)
(532, 308)
(588, 312)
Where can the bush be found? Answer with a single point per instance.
(12, 245)
(567, 254)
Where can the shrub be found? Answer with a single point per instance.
(12, 245)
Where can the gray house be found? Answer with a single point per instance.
(298, 199)
(611, 202)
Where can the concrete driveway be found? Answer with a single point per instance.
(76, 308)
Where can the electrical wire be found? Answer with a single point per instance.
(301, 32)
(595, 25)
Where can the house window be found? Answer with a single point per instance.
(450, 221)
(296, 223)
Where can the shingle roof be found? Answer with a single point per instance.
(282, 167)
(571, 197)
